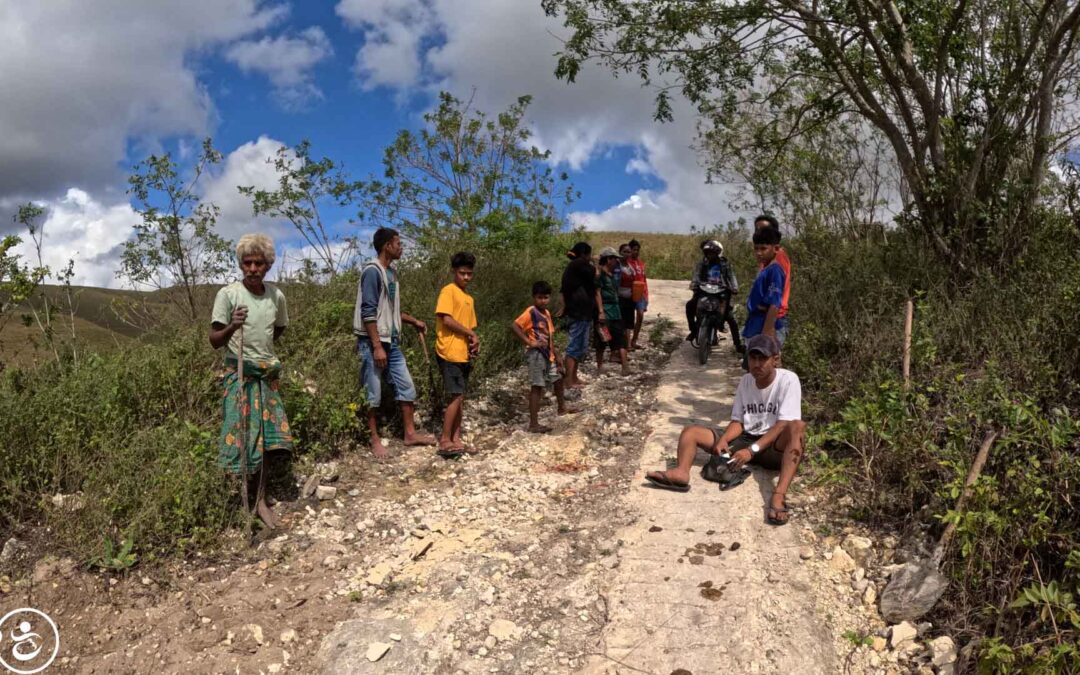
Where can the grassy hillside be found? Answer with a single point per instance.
(104, 319)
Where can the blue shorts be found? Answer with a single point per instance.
(396, 373)
(642, 305)
(579, 338)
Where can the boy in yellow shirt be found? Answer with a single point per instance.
(455, 344)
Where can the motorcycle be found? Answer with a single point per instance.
(712, 307)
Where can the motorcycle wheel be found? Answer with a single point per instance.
(704, 341)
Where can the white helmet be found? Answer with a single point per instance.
(713, 245)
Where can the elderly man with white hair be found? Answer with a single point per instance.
(248, 317)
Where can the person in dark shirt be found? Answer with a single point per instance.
(713, 268)
(611, 314)
(580, 305)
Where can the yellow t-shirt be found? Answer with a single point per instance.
(458, 305)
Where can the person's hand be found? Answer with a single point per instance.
(740, 458)
(771, 332)
(535, 344)
(420, 327)
(239, 316)
(720, 447)
(560, 313)
(379, 354)
(602, 319)
(559, 367)
(474, 344)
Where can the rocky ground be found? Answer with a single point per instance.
(501, 562)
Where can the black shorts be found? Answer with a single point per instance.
(768, 458)
(627, 307)
(455, 376)
(618, 335)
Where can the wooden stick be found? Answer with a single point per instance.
(973, 475)
(909, 319)
(242, 399)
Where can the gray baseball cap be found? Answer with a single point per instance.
(766, 345)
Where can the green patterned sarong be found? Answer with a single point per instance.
(267, 427)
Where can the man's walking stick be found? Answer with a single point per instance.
(243, 437)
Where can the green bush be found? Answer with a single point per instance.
(991, 352)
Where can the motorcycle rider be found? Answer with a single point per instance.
(713, 268)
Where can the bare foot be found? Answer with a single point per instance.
(568, 410)
(539, 429)
(378, 449)
(673, 475)
(266, 514)
(419, 439)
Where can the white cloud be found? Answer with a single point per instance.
(287, 62)
(80, 79)
(393, 31)
(249, 164)
(79, 228)
(92, 230)
(505, 49)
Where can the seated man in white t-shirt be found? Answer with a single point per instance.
(766, 429)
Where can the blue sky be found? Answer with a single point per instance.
(93, 87)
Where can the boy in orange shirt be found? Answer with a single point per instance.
(456, 343)
(536, 331)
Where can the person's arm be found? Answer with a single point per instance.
(734, 429)
(600, 307)
(281, 315)
(733, 282)
(770, 321)
(220, 333)
(454, 326)
(370, 290)
(225, 320)
(695, 276)
(419, 325)
(775, 299)
(519, 332)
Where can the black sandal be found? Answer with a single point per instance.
(772, 513)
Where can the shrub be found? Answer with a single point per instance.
(991, 353)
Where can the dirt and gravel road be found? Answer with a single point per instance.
(542, 554)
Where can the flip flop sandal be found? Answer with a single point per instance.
(774, 519)
(666, 483)
(734, 479)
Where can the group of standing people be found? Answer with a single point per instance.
(605, 300)
(250, 315)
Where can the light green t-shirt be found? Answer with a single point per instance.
(265, 313)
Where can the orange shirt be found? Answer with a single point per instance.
(784, 262)
(538, 327)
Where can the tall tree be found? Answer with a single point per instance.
(306, 189)
(175, 247)
(466, 174)
(969, 95)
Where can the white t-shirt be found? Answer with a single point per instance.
(760, 409)
(265, 313)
